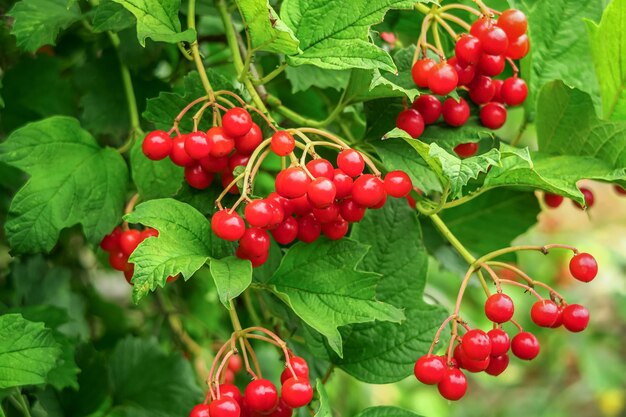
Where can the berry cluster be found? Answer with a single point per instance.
(480, 351)
(555, 200)
(480, 55)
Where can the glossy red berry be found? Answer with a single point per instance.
(351, 162)
(236, 160)
(227, 179)
(260, 395)
(220, 143)
(493, 40)
(178, 155)
(469, 364)
(465, 150)
(575, 318)
(197, 145)
(282, 143)
(351, 211)
(197, 177)
(468, 50)
(552, 200)
(320, 167)
(398, 184)
(455, 113)
(111, 242)
(300, 369)
(583, 267)
(157, 145)
(453, 385)
(231, 391)
(247, 143)
(482, 89)
(429, 107)
(224, 407)
(412, 122)
(421, 70)
(525, 346)
(429, 369)
(544, 313)
(513, 22)
(588, 196)
(285, 203)
(368, 190)
(309, 229)
(466, 74)
(443, 79)
(481, 26)
(236, 122)
(129, 240)
(255, 242)
(500, 342)
(256, 261)
(335, 229)
(499, 308)
(497, 97)
(258, 213)
(518, 48)
(301, 205)
(493, 115)
(321, 192)
(286, 232)
(497, 365)
(491, 65)
(292, 182)
(118, 260)
(476, 344)
(559, 319)
(297, 392)
(343, 183)
(215, 165)
(200, 410)
(228, 226)
(514, 91)
(235, 363)
(327, 214)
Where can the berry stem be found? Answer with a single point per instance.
(465, 198)
(275, 103)
(436, 338)
(483, 8)
(253, 357)
(446, 26)
(543, 249)
(526, 287)
(513, 66)
(494, 277)
(423, 38)
(184, 111)
(435, 30)
(270, 76)
(527, 278)
(458, 6)
(210, 393)
(18, 401)
(195, 51)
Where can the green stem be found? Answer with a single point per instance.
(195, 50)
(269, 77)
(465, 198)
(19, 402)
(422, 8)
(247, 301)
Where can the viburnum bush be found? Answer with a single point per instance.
(290, 188)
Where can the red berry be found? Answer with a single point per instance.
(429, 369)
(343, 184)
(351, 211)
(476, 344)
(481, 26)
(292, 182)
(466, 74)
(285, 203)
(220, 143)
(468, 50)
(215, 165)
(583, 267)
(497, 84)
(442, 79)
(327, 214)
(236, 160)
(552, 200)
(465, 150)
(256, 261)
(255, 242)
(493, 115)
(309, 229)
(368, 190)
(118, 260)
(559, 319)
(197, 145)
(499, 308)
(518, 48)
(278, 213)
(178, 155)
(224, 407)
(300, 369)
(258, 213)
(421, 70)
(525, 346)
(497, 365)
(500, 342)
(111, 242)
(589, 198)
(228, 226)
(350, 162)
(513, 22)
(321, 168)
(226, 179)
(398, 184)
(575, 318)
(412, 122)
(231, 391)
(301, 205)
(197, 177)
(282, 410)
(282, 143)
(619, 189)
(129, 240)
(493, 40)
(247, 143)
(286, 232)
(455, 113)
(428, 106)
(149, 232)
(544, 313)
(157, 145)
(514, 91)
(471, 365)
(200, 410)
(336, 229)
(453, 384)
(321, 192)
(297, 392)
(236, 122)
(235, 364)
(261, 396)
(482, 90)
(491, 65)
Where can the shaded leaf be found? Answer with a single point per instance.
(232, 276)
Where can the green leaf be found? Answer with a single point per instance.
(267, 31)
(158, 20)
(567, 125)
(154, 179)
(320, 282)
(38, 22)
(65, 373)
(386, 412)
(324, 409)
(382, 352)
(72, 181)
(182, 247)
(306, 76)
(28, 352)
(232, 276)
(146, 381)
(339, 43)
(111, 16)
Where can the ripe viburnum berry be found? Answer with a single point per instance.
(178, 155)
(497, 97)
(286, 232)
(468, 50)
(258, 213)
(297, 392)
(466, 74)
(327, 214)
(228, 226)
(518, 48)
(465, 150)
(213, 164)
(513, 22)
(129, 240)
(343, 183)
(583, 267)
(453, 385)
(552, 200)
(500, 342)
(300, 369)
(469, 364)
(398, 184)
(442, 79)
(197, 145)
(525, 346)
(247, 143)
(351, 211)
(236, 122)
(292, 182)
(429, 107)
(429, 369)
(255, 242)
(282, 410)
(588, 196)
(514, 91)
(321, 192)
(493, 40)
(224, 407)
(351, 162)
(111, 242)
(368, 190)
(481, 26)
(335, 229)
(482, 89)
(544, 313)
(491, 65)
(320, 167)
(421, 70)
(118, 260)
(493, 115)
(200, 410)
(236, 160)
(412, 122)
(157, 145)
(455, 113)
(261, 396)
(499, 308)
(575, 318)
(197, 177)
(282, 143)
(309, 229)
(497, 365)
(476, 344)
(220, 143)
(231, 391)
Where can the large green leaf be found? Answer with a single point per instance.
(304, 77)
(184, 243)
(232, 276)
(324, 409)
(267, 32)
(386, 412)
(608, 48)
(338, 43)
(111, 16)
(38, 22)
(158, 20)
(28, 352)
(321, 283)
(154, 179)
(72, 181)
(382, 352)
